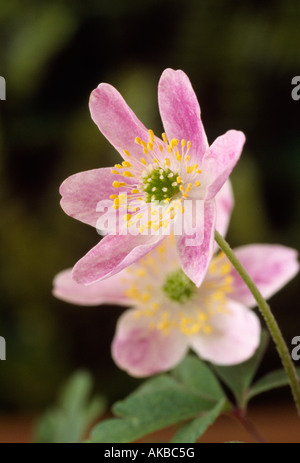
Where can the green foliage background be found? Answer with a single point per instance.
(240, 57)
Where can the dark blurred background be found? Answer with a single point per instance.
(240, 57)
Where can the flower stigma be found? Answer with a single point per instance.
(178, 287)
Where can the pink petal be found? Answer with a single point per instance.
(180, 111)
(220, 160)
(111, 255)
(110, 291)
(142, 351)
(116, 120)
(224, 204)
(234, 339)
(270, 266)
(82, 192)
(195, 259)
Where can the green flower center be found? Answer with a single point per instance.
(160, 184)
(178, 287)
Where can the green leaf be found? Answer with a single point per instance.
(271, 381)
(192, 431)
(149, 411)
(116, 430)
(163, 400)
(198, 377)
(156, 383)
(162, 406)
(239, 377)
(69, 420)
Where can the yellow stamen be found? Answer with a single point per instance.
(118, 184)
(151, 134)
(128, 174)
(126, 164)
(207, 329)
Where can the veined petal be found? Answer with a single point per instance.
(195, 250)
(220, 160)
(142, 351)
(82, 192)
(111, 255)
(270, 266)
(180, 112)
(110, 291)
(116, 120)
(234, 338)
(224, 205)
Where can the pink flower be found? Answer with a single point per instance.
(170, 314)
(166, 172)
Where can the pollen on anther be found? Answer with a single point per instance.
(164, 137)
(128, 174)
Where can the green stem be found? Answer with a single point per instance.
(269, 319)
(242, 417)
